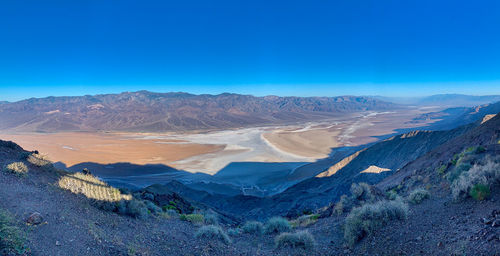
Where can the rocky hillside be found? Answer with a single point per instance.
(148, 111)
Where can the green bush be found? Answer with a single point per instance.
(17, 168)
(194, 218)
(479, 192)
(418, 195)
(253, 227)
(364, 220)
(277, 225)
(301, 239)
(212, 232)
(12, 239)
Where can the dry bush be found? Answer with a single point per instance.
(301, 239)
(212, 232)
(41, 161)
(418, 195)
(485, 173)
(364, 220)
(17, 168)
(253, 227)
(194, 218)
(276, 225)
(305, 220)
(91, 187)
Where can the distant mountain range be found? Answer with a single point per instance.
(443, 100)
(154, 112)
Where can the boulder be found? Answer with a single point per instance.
(34, 219)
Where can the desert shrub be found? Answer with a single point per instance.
(234, 231)
(418, 195)
(305, 220)
(479, 192)
(343, 205)
(364, 220)
(137, 209)
(41, 161)
(300, 239)
(458, 170)
(362, 192)
(391, 194)
(253, 227)
(211, 218)
(194, 218)
(91, 187)
(482, 174)
(170, 214)
(277, 225)
(17, 168)
(12, 239)
(152, 207)
(212, 232)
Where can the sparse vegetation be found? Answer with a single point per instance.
(277, 225)
(304, 220)
(364, 220)
(17, 168)
(360, 193)
(479, 192)
(168, 214)
(212, 232)
(482, 176)
(253, 227)
(194, 218)
(300, 239)
(12, 239)
(211, 218)
(418, 195)
(137, 209)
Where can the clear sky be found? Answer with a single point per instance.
(303, 48)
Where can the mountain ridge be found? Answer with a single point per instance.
(152, 112)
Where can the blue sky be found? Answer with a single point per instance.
(303, 48)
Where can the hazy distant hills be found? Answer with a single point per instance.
(454, 117)
(148, 111)
(443, 100)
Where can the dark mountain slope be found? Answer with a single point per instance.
(148, 111)
(487, 133)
